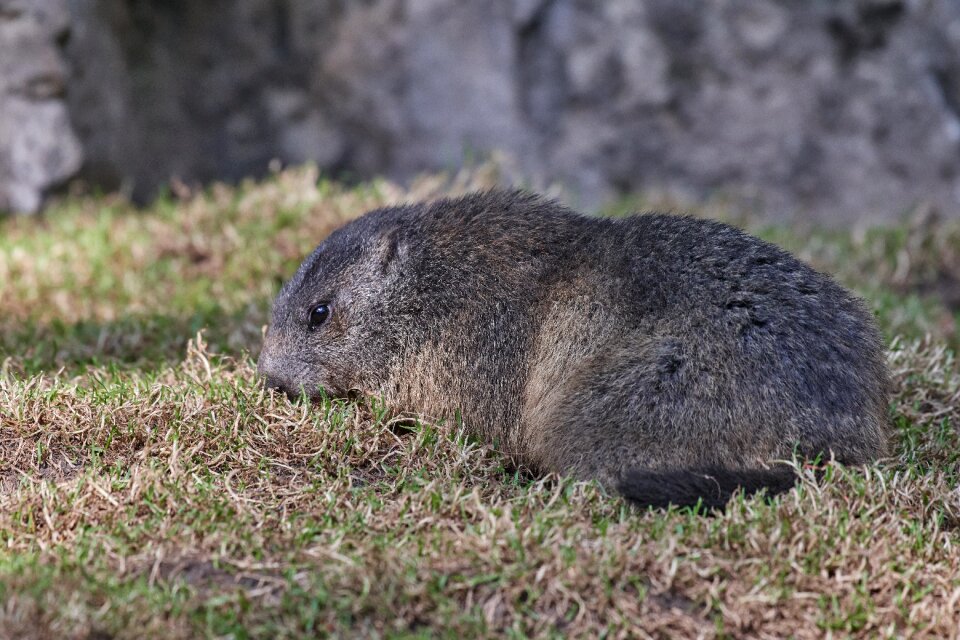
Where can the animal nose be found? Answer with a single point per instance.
(274, 375)
(270, 373)
(277, 384)
(280, 384)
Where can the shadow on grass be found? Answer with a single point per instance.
(132, 342)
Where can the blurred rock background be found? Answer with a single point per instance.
(834, 110)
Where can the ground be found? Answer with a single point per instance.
(149, 488)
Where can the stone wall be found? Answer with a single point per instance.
(38, 148)
(832, 109)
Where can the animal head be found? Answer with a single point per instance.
(335, 327)
(386, 285)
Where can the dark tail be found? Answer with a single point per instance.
(709, 488)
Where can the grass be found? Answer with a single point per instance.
(148, 488)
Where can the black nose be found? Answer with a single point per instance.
(270, 372)
(271, 382)
(294, 392)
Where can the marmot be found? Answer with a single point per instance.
(673, 359)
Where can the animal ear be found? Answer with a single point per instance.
(391, 249)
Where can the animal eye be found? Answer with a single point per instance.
(318, 315)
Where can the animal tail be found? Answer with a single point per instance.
(710, 488)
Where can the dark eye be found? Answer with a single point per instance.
(318, 315)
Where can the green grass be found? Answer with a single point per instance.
(149, 488)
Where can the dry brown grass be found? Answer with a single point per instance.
(149, 488)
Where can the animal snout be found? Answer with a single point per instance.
(271, 373)
(285, 375)
(271, 382)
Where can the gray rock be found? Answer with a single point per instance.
(832, 109)
(38, 149)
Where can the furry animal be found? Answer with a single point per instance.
(671, 358)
